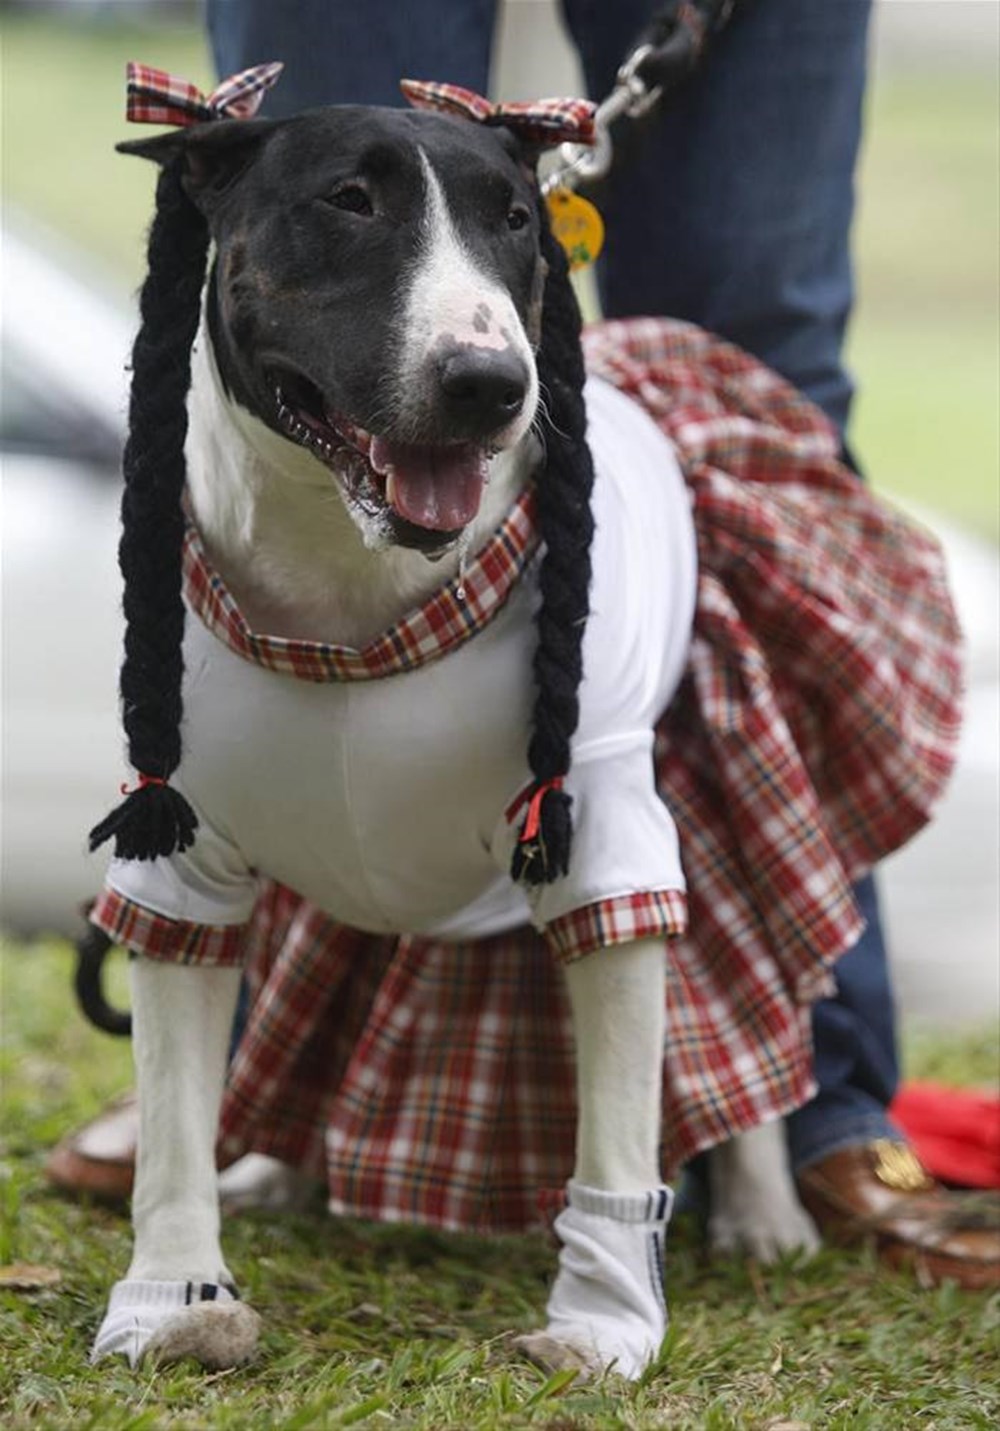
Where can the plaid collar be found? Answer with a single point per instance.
(450, 617)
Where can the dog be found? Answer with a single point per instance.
(365, 410)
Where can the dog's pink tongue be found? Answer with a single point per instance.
(439, 488)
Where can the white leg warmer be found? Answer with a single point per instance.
(607, 1309)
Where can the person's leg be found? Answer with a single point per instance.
(347, 54)
(734, 211)
(854, 1041)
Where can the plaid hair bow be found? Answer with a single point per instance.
(541, 121)
(156, 97)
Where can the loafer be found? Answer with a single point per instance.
(878, 1194)
(98, 1160)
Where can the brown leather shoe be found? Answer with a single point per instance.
(878, 1193)
(98, 1160)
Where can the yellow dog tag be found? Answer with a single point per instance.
(577, 225)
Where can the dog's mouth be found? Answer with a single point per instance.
(429, 493)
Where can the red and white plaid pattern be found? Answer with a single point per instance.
(814, 729)
(448, 618)
(547, 122)
(155, 97)
(618, 920)
(176, 940)
(653, 914)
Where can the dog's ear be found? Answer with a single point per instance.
(214, 154)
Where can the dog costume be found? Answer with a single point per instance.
(813, 724)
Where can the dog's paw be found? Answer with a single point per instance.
(763, 1232)
(590, 1347)
(217, 1336)
(554, 1351)
(258, 1182)
(168, 1321)
(755, 1208)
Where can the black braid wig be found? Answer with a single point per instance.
(155, 819)
(567, 526)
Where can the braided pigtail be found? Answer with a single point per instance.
(155, 819)
(567, 526)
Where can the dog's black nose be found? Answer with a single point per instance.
(482, 389)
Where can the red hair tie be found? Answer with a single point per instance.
(144, 780)
(533, 818)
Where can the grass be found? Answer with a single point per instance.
(925, 345)
(398, 1327)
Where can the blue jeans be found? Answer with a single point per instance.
(734, 212)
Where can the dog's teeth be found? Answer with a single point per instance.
(390, 486)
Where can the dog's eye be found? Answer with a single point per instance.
(353, 198)
(518, 217)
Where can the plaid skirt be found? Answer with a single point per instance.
(815, 727)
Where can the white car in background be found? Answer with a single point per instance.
(63, 416)
(65, 350)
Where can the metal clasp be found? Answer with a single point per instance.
(631, 98)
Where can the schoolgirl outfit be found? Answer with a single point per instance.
(385, 785)
(770, 699)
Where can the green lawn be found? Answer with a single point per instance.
(924, 345)
(395, 1327)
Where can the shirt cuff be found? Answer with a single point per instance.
(652, 914)
(176, 941)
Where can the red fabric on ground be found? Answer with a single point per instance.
(955, 1132)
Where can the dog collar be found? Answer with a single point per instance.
(450, 616)
(157, 97)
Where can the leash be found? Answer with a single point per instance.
(631, 98)
(667, 52)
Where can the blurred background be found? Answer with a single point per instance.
(925, 348)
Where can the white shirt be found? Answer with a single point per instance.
(384, 801)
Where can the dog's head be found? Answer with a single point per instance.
(374, 305)
(374, 299)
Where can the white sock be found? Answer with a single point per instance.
(608, 1300)
(137, 1310)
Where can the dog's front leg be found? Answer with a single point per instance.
(607, 1305)
(177, 1298)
